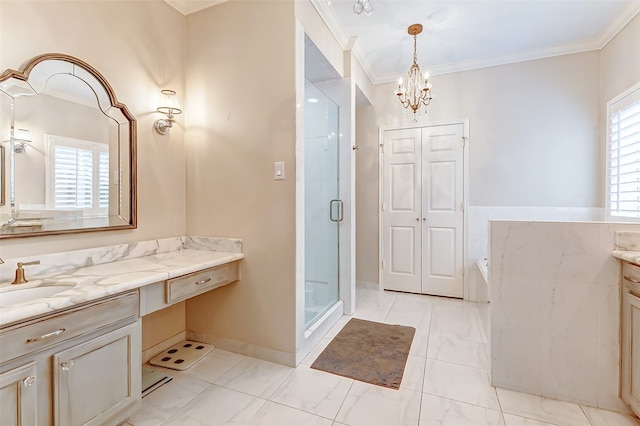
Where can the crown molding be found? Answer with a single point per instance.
(331, 20)
(621, 21)
(187, 7)
(475, 64)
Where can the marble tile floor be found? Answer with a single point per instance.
(446, 382)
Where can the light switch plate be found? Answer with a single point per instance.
(278, 170)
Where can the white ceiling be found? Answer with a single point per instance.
(465, 34)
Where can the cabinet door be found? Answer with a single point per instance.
(18, 400)
(631, 351)
(97, 380)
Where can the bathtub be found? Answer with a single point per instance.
(482, 280)
(482, 293)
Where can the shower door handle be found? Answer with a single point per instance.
(340, 210)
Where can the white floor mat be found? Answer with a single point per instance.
(181, 356)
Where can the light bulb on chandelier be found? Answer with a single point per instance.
(363, 6)
(417, 93)
(359, 7)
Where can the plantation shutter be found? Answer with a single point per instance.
(79, 175)
(623, 186)
(73, 178)
(103, 173)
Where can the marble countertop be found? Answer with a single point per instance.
(121, 269)
(628, 256)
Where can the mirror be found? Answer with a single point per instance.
(69, 151)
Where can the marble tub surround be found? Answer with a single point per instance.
(103, 271)
(478, 232)
(555, 309)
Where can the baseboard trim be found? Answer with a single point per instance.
(368, 285)
(242, 348)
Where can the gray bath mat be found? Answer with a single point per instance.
(368, 351)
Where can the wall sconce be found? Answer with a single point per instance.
(169, 106)
(20, 139)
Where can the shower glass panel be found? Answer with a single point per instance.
(322, 211)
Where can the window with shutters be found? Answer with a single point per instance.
(78, 175)
(623, 156)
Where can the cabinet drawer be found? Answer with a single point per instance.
(631, 277)
(186, 286)
(44, 332)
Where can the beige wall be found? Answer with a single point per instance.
(367, 197)
(139, 47)
(162, 325)
(621, 62)
(234, 73)
(534, 139)
(241, 84)
(533, 129)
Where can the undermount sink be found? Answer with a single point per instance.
(14, 296)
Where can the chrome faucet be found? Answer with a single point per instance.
(20, 278)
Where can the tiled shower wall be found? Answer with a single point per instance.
(555, 308)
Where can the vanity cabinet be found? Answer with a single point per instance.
(74, 367)
(630, 349)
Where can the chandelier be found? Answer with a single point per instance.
(418, 90)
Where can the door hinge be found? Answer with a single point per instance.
(464, 141)
(383, 206)
(382, 147)
(383, 264)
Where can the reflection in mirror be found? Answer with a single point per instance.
(71, 150)
(2, 177)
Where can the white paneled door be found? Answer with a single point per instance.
(423, 210)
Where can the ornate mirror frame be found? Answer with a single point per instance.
(126, 209)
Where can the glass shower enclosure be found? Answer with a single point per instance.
(323, 207)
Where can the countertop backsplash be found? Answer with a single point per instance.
(628, 246)
(105, 271)
(64, 262)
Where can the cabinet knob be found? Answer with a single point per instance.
(66, 366)
(29, 381)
